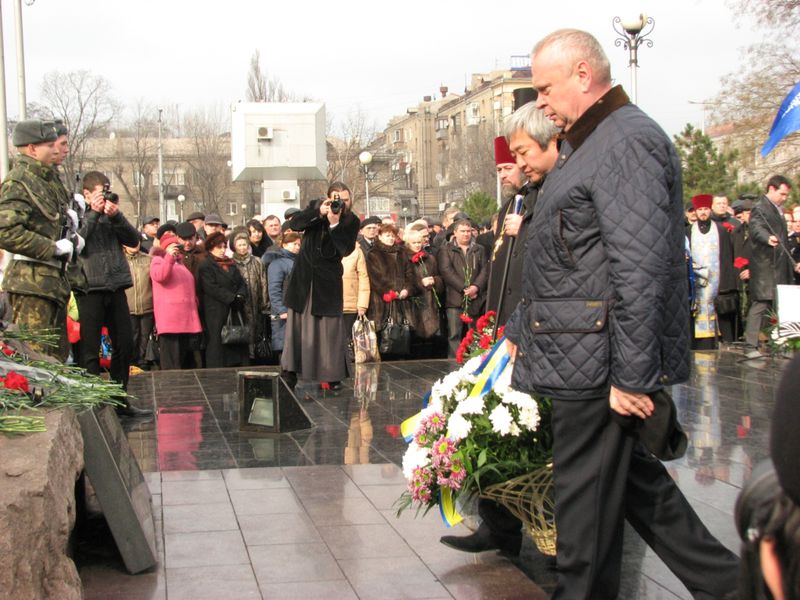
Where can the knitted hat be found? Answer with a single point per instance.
(167, 239)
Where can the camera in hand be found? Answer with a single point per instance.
(336, 204)
(108, 195)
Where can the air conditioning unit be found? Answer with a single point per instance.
(265, 134)
(289, 195)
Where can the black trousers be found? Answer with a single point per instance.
(141, 326)
(603, 475)
(177, 350)
(109, 309)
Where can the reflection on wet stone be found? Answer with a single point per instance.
(329, 489)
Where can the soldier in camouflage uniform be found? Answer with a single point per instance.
(33, 224)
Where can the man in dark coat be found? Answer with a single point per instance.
(771, 263)
(603, 324)
(105, 303)
(314, 294)
(368, 233)
(712, 260)
(463, 267)
(532, 142)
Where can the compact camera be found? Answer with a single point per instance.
(108, 195)
(336, 204)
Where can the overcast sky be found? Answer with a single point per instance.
(380, 56)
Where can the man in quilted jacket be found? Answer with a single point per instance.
(603, 324)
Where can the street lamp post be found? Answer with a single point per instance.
(161, 213)
(365, 158)
(244, 213)
(181, 200)
(632, 33)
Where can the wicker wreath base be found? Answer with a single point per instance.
(530, 498)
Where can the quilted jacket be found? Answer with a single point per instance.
(605, 292)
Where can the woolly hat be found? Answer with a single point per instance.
(502, 155)
(167, 239)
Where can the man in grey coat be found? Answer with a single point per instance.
(771, 263)
(603, 325)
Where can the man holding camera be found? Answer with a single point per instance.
(34, 229)
(106, 230)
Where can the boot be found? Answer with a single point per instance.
(128, 410)
(482, 540)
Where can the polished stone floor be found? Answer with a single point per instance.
(308, 514)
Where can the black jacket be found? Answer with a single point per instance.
(605, 298)
(452, 267)
(768, 266)
(497, 259)
(318, 268)
(217, 289)
(103, 258)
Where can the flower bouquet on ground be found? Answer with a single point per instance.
(782, 337)
(476, 433)
(30, 381)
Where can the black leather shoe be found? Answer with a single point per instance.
(131, 411)
(483, 540)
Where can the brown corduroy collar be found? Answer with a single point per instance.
(612, 100)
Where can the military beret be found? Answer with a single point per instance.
(61, 129)
(33, 131)
(370, 221)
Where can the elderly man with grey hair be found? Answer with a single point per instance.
(602, 329)
(531, 140)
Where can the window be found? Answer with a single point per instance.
(442, 124)
(232, 208)
(398, 135)
(178, 177)
(139, 179)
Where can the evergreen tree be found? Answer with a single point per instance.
(706, 170)
(479, 206)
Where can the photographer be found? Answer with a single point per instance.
(104, 303)
(768, 509)
(315, 334)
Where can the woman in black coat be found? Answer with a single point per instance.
(221, 289)
(391, 278)
(314, 345)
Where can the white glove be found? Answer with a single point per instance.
(72, 217)
(80, 245)
(64, 248)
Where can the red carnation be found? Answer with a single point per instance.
(501, 331)
(740, 262)
(485, 342)
(393, 430)
(389, 296)
(325, 385)
(728, 226)
(470, 336)
(7, 350)
(416, 258)
(460, 356)
(465, 318)
(15, 381)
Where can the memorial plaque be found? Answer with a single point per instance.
(120, 487)
(267, 404)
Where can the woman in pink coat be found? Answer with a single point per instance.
(174, 304)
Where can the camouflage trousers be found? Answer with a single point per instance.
(35, 313)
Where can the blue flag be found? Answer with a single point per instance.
(786, 121)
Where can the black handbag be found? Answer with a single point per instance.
(727, 303)
(395, 334)
(234, 333)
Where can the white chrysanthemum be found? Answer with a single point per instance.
(472, 364)
(434, 404)
(519, 399)
(514, 429)
(470, 406)
(413, 458)
(458, 427)
(460, 394)
(501, 419)
(529, 418)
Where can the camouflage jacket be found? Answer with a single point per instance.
(32, 219)
(75, 272)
